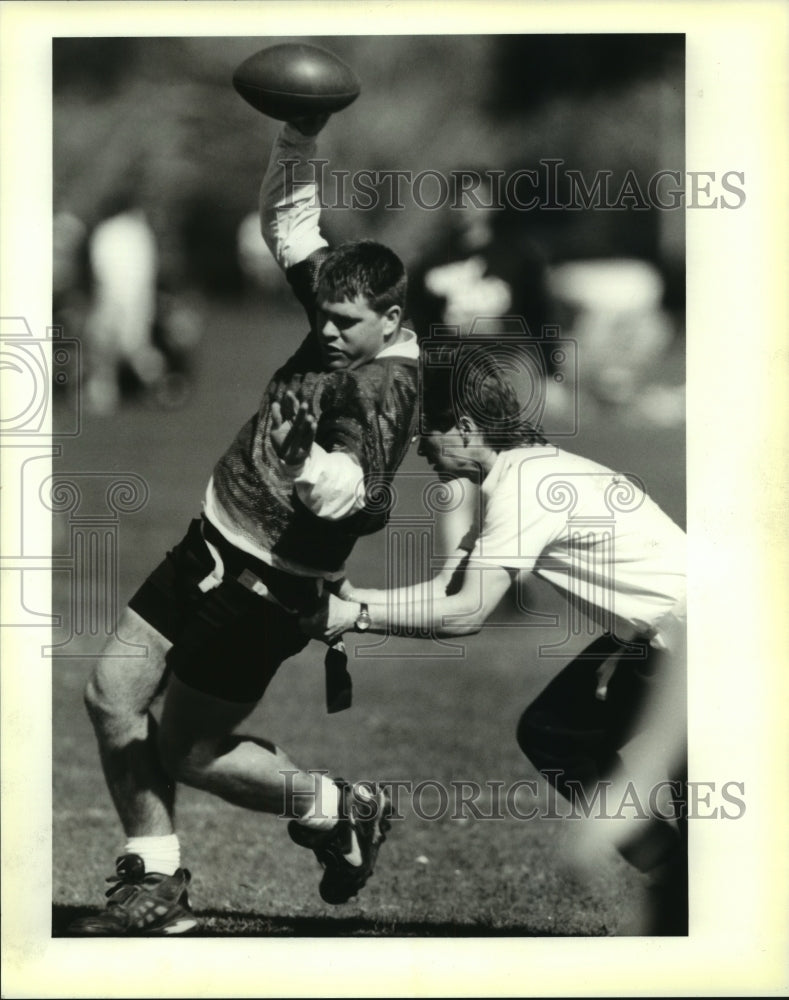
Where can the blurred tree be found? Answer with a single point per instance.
(536, 68)
(94, 66)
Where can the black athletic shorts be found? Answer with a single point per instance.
(228, 641)
(568, 730)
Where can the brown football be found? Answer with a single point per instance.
(292, 80)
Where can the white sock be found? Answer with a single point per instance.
(325, 809)
(159, 854)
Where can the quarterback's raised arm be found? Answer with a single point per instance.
(289, 194)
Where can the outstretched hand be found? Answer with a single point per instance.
(292, 429)
(333, 617)
(310, 124)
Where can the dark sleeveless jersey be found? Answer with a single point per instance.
(369, 412)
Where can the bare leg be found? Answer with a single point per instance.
(200, 749)
(118, 697)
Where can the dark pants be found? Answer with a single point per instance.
(573, 738)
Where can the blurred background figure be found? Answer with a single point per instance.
(119, 326)
(69, 272)
(482, 264)
(177, 330)
(256, 260)
(137, 334)
(484, 277)
(613, 310)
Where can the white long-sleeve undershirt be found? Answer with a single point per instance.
(328, 483)
(289, 199)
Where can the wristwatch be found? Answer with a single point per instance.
(363, 619)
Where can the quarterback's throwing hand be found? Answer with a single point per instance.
(292, 430)
(310, 124)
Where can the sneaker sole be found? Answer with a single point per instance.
(182, 926)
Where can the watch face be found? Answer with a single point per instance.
(363, 621)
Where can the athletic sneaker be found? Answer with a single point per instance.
(349, 850)
(141, 903)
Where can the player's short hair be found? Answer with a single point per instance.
(366, 268)
(479, 389)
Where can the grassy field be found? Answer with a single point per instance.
(416, 716)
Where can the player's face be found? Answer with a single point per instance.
(447, 454)
(352, 333)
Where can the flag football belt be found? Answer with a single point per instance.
(292, 594)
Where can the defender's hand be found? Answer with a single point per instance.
(310, 124)
(342, 588)
(333, 617)
(293, 430)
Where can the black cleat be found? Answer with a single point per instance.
(347, 852)
(141, 904)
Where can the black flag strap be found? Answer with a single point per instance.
(339, 687)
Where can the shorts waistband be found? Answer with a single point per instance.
(293, 593)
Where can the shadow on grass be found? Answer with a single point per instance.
(220, 923)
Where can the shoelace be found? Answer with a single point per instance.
(126, 880)
(122, 890)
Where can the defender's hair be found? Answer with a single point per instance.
(476, 387)
(366, 268)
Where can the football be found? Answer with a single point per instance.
(292, 80)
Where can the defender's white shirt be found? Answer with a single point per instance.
(589, 531)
